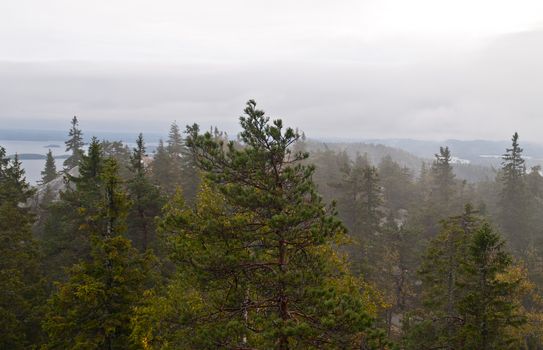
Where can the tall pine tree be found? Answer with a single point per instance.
(258, 251)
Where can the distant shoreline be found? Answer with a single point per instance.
(32, 156)
(56, 135)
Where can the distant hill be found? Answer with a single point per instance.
(478, 152)
(375, 152)
(471, 172)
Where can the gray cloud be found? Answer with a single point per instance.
(487, 92)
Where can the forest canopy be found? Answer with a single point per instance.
(266, 241)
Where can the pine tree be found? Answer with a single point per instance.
(93, 308)
(74, 145)
(146, 200)
(22, 290)
(49, 173)
(258, 251)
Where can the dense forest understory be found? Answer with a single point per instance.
(265, 242)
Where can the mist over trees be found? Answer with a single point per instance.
(268, 241)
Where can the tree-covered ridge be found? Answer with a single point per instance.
(267, 242)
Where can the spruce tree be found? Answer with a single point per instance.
(93, 308)
(397, 182)
(438, 191)
(361, 204)
(174, 170)
(146, 200)
(173, 166)
(49, 173)
(74, 145)
(487, 305)
(71, 220)
(22, 290)
(161, 168)
(467, 301)
(514, 215)
(440, 274)
(443, 176)
(258, 251)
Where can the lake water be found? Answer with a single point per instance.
(33, 167)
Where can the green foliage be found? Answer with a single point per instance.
(361, 202)
(173, 166)
(74, 145)
(146, 200)
(50, 170)
(487, 305)
(398, 186)
(514, 203)
(69, 222)
(258, 252)
(466, 301)
(442, 176)
(120, 152)
(93, 308)
(22, 290)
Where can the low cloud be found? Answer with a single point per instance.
(486, 93)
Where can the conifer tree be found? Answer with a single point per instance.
(93, 308)
(70, 221)
(467, 301)
(50, 171)
(487, 305)
(161, 168)
(174, 167)
(440, 274)
(174, 148)
(146, 200)
(22, 289)
(397, 183)
(514, 211)
(443, 176)
(120, 152)
(74, 145)
(438, 188)
(258, 251)
(394, 268)
(362, 205)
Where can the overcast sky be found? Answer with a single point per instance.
(427, 69)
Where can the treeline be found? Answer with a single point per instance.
(255, 243)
